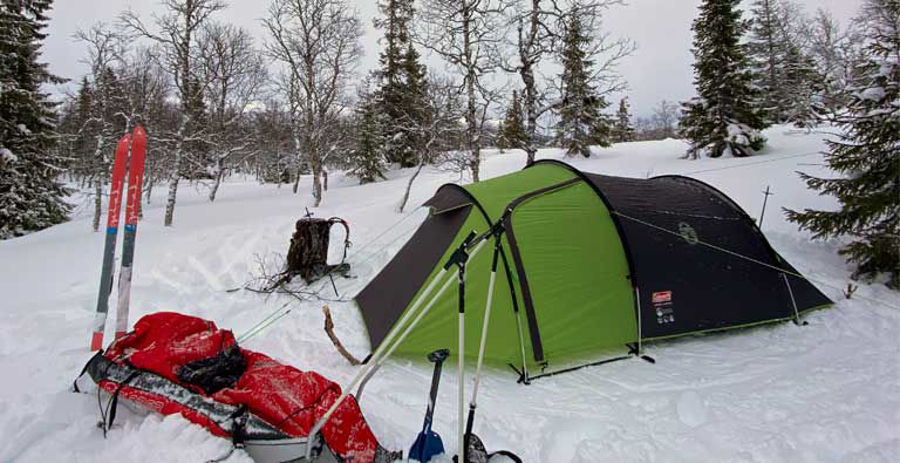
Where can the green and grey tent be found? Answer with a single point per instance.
(590, 265)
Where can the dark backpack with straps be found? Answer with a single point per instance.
(308, 252)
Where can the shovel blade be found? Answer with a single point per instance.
(426, 446)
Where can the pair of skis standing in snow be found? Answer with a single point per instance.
(136, 144)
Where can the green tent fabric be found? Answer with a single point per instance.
(590, 265)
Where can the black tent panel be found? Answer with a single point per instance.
(384, 299)
(447, 197)
(684, 284)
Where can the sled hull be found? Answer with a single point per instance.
(288, 450)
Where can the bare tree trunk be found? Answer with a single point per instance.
(299, 155)
(173, 192)
(409, 184)
(98, 202)
(175, 176)
(98, 182)
(220, 172)
(472, 134)
(150, 181)
(316, 165)
(530, 112)
(325, 179)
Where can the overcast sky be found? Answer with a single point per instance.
(659, 69)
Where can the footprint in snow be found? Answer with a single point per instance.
(691, 409)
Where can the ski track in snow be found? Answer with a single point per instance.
(829, 391)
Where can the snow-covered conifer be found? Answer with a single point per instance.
(623, 130)
(581, 122)
(722, 118)
(31, 197)
(512, 133)
(401, 91)
(367, 159)
(867, 155)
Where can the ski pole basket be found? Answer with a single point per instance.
(308, 252)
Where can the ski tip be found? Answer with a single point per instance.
(139, 131)
(96, 341)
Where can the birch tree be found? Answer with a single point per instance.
(439, 130)
(317, 44)
(235, 74)
(467, 34)
(104, 121)
(175, 32)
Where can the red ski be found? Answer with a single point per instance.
(109, 249)
(132, 209)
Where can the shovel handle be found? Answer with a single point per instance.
(437, 357)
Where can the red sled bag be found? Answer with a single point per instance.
(173, 363)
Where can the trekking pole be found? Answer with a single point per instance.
(484, 332)
(377, 359)
(393, 332)
(387, 347)
(462, 342)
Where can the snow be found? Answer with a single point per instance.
(829, 391)
(872, 94)
(8, 155)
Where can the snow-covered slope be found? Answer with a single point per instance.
(829, 391)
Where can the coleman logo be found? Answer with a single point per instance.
(662, 296)
(688, 233)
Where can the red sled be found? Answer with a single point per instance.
(173, 363)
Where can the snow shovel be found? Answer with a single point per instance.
(428, 443)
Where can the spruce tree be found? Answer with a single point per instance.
(781, 71)
(401, 92)
(31, 197)
(512, 130)
(868, 155)
(581, 122)
(366, 158)
(722, 117)
(623, 131)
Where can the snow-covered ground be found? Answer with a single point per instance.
(829, 391)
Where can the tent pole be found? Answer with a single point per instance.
(378, 361)
(637, 299)
(379, 357)
(793, 302)
(398, 326)
(522, 348)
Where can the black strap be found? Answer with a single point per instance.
(239, 426)
(114, 401)
(507, 454)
